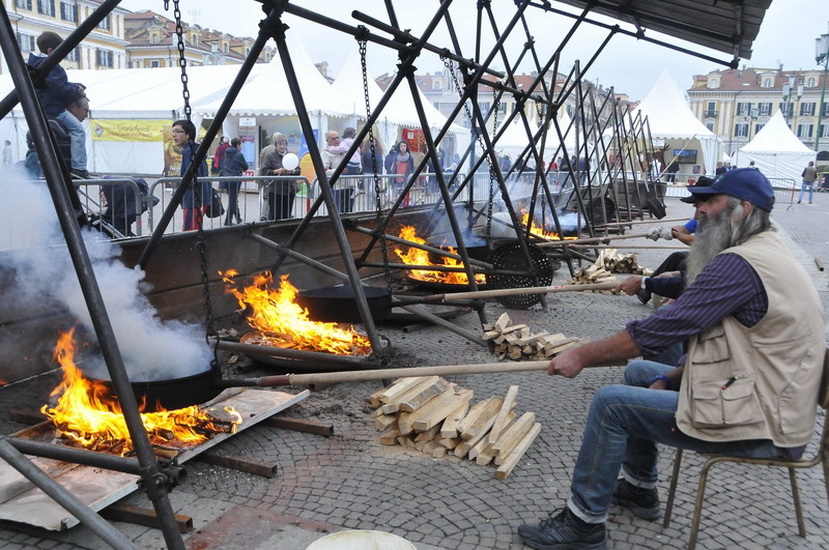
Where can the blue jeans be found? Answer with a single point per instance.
(624, 424)
(806, 185)
(77, 139)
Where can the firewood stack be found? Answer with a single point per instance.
(615, 262)
(518, 342)
(430, 415)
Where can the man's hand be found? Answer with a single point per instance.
(567, 364)
(630, 286)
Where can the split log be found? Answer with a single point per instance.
(433, 412)
(501, 418)
(449, 428)
(518, 453)
(513, 435)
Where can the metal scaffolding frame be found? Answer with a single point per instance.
(477, 75)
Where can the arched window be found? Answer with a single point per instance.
(811, 82)
(766, 83)
(714, 83)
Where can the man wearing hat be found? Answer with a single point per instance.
(747, 386)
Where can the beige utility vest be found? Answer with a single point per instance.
(760, 382)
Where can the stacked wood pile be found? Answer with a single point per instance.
(519, 342)
(608, 263)
(430, 415)
(615, 262)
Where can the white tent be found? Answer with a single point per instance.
(671, 118)
(127, 95)
(398, 113)
(515, 139)
(776, 151)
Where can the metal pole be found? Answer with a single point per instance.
(76, 456)
(59, 494)
(822, 100)
(212, 131)
(66, 214)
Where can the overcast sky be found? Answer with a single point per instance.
(786, 36)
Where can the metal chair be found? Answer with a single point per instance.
(821, 456)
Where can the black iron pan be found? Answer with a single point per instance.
(336, 304)
(174, 393)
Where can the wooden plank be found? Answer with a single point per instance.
(472, 415)
(449, 428)
(501, 418)
(414, 402)
(300, 425)
(401, 386)
(432, 412)
(512, 436)
(33, 507)
(518, 453)
(143, 516)
(484, 421)
(392, 404)
(240, 463)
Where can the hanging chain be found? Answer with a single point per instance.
(201, 243)
(378, 201)
(451, 68)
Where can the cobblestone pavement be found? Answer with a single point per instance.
(351, 481)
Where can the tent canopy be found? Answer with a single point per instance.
(776, 151)
(670, 116)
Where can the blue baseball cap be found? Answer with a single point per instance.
(748, 184)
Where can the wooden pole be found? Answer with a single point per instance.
(440, 370)
(439, 298)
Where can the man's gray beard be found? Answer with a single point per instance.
(713, 235)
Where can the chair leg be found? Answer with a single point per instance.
(798, 509)
(669, 505)
(703, 479)
(826, 474)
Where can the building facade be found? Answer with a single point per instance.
(736, 103)
(104, 48)
(123, 39)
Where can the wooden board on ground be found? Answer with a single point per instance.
(33, 507)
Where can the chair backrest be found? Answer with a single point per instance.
(823, 395)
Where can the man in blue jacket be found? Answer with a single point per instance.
(56, 93)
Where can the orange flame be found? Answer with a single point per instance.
(284, 323)
(88, 415)
(418, 256)
(539, 231)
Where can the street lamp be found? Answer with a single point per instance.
(821, 57)
(788, 91)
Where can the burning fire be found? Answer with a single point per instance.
(541, 232)
(418, 256)
(87, 414)
(283, 323)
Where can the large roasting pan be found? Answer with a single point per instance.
(173, 393)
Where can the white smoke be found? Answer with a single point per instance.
(32, 245)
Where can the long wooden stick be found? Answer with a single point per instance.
(439, 298)
(605, 239)
(440, 370)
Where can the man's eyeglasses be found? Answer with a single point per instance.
(177, 131)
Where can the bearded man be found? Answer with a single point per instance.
(747, 386)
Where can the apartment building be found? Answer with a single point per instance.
(124, 39)
(104, 48)
(736, 103)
